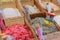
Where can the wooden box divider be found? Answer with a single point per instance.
(26, 20)
(39, 6)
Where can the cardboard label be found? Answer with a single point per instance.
(27, 2)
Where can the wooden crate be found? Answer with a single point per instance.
(44, 12)
(14, 20)
(27, 21)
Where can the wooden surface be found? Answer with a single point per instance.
(14, 20)
(8, 4)
(7, 0)
(53, 36)
(27, 2)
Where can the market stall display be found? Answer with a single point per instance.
(19, 32)
(12, 16)
(47, 26)
(16, 19)
(35, 37)
(28, 20)
(28, 8)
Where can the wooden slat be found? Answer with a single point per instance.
(57, 26)
(18, 6)
(27, 22)
(39, 6)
